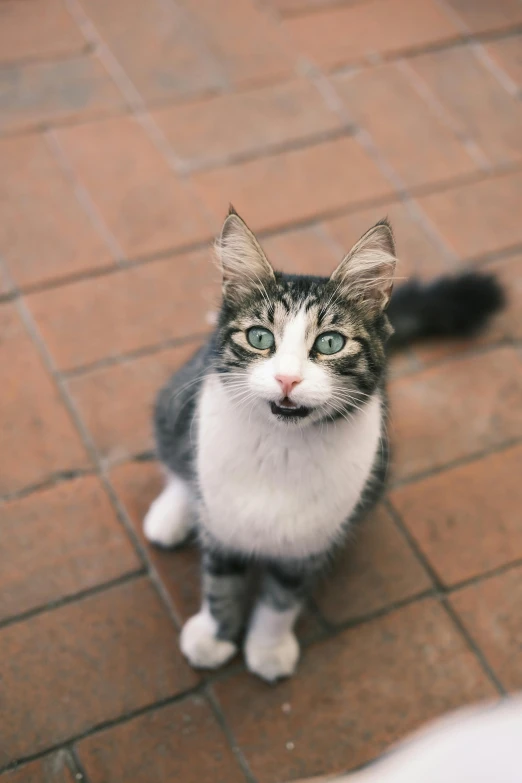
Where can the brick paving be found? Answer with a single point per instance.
(126, 128)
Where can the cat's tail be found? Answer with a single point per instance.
(446, 307)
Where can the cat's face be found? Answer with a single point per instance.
(300, 349)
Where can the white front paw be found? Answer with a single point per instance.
(271, 662)
(200, 645)
(168, 521)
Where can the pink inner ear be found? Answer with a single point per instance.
(383, 284)
(367, 270)
(366, 274)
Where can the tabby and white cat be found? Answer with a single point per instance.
(273, 435)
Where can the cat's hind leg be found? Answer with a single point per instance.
(171, 517)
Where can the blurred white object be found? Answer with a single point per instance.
(475, 745)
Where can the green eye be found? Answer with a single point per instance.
(329, 342)
(260, 338)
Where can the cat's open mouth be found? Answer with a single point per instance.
(288, 409)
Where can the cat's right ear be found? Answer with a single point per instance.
(244, 266)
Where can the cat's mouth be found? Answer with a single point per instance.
(288, 409)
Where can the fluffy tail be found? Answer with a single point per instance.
(447, 307)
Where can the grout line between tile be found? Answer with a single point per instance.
(272, 149)
(338, 251)
(421, 364)
(333, 629)
(513, 565)
(204, 688)
(220, 718)
(159, 104)
(405, 195)
(93, 38)
(454, 17)
(131, 262)
(149, 456)
(59, 122)
(154, 105)
(9, 296)
(475, 649)
(78, 770)
(325, 628)
(130, 576)
(101, 469)
(204, 46)
(444, 116)
(197, 690)
(43, 59)
(299, 224)
(51, 481)
(84, 198)
(6, 276)
(292, 13)
(333, 101)
(477, 46)
(502, 77)
(429, 228)
(73, 120)
(473, 349)
(135, 100)
(144, 456)
(469, 459)
(314, 222)
(508, 31)
(138, 353)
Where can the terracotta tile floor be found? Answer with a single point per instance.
(126, 128)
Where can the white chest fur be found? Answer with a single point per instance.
(272, 490)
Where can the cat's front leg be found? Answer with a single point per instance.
(209, 638)
(271, 647)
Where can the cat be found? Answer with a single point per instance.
(273, 436)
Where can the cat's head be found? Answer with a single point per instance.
(300, 349)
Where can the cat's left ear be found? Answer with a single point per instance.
(366, 274)
(244, 265)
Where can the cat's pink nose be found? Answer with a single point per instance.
(288, 382)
